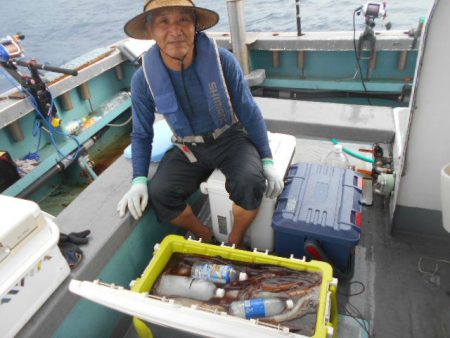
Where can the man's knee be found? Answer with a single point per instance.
(250, 180)
(158, 191)
(247, 190)
(165, 200)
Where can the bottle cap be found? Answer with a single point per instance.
(220, 293)
(243, 276)
(56, 122)
(289, 303)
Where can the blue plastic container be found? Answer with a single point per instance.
(162, 141)
(319, 214)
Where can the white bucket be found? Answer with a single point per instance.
(445, 196)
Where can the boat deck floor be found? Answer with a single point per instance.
(400, 286)
(401, 282)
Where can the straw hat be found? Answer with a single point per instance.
(136, 27)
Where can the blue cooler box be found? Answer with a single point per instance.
(319, 214)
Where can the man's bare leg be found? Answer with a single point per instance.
(187, 220)
(242, 220)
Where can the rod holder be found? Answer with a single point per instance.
(66, 101)
(236, 21)
(402, 58)
(276, 59)
(85, 91)
(301, 59)
(15, 131)
(119, 72)
(372, 64)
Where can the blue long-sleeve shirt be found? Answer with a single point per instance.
(143, 109)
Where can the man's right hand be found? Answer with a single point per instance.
(135, 199)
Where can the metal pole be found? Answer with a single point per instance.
(276, 59)
(16, 131)
(58, 167)
(403, 57)
(237, 30)
(299, 24)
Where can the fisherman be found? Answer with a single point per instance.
(201, 92)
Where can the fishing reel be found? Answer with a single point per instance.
(11, 53)
(10, 47)
(371, 12)
(376, 10)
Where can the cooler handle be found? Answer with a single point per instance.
(358, 182)
(331, 311)
(356, 219)
(353, 219)
(327, 318)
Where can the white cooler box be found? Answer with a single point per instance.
(31, 264)
(260, 235)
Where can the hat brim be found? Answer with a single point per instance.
(137, 27)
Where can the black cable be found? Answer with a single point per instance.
(365, 325)
(358, 57)
(363, 289)
(90, 105)
(353, 312)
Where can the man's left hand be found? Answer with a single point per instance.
(275, 182)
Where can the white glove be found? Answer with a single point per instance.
(135, 199)
(275, 182)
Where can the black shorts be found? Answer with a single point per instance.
(177, 178)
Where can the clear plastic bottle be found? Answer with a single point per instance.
(188, 287)
(259, 307)
(217, 273)
(73, 127)
(337, 158)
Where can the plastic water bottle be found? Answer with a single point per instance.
(337, 158)
(259, 307)
(188, 287)
(73, 127)
(217, 273)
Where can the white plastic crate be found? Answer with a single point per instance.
(31, 270)
(260, 234)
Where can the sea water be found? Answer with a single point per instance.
(58, 31)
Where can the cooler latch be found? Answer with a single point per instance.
(4, 252)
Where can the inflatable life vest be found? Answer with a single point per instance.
(209, 70)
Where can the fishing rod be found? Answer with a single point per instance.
(10, 53)
(298, 18)
(34, 86)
